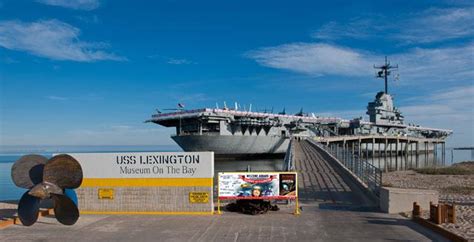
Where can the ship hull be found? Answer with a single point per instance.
(234, 145)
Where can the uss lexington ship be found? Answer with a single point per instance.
(234, 132)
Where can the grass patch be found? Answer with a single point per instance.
(451, 170)
(465, 164)
(459, 190)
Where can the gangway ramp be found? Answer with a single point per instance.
(323, 183)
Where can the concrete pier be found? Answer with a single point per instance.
(333, 209)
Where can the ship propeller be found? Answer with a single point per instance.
(54, 178)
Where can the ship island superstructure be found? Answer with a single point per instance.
(236, 132)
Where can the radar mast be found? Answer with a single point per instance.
(384, 72)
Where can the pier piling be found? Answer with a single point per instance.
(397, 153)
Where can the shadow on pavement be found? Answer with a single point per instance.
(346, 207)
(7, 213)
(407, 223)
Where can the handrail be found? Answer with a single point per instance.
(369, 174)
(288, 161)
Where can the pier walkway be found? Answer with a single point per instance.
(321, 183)
(333, 209)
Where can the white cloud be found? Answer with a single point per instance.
(89, 19)
(417, 65)
(431, 25)
(171, 60)
(174, 61)
(52, 39)
(450, 109)
(451, 64)
(314, 59)
(434, 25)
(57, 98)
(121, 127)
(73, 4)
(357, 28)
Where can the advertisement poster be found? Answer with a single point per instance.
(254, 185)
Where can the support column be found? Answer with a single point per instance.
(443, 152)
(348, 158)
(390, 149)
(373, 150)
(396, 155)
(352, 156)
(379, 155)
(367, 151)
(406, 153)
(344, 151)
(380, 150)
(385, 155)
(348, 152)
(426, 153)
(417, 152)
(359, 154)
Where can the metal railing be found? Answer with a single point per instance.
(288, 161)
(366, 172)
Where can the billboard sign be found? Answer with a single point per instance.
(257, 185)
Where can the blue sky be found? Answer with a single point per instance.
(89, 72)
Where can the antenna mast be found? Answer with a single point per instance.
(384, 72)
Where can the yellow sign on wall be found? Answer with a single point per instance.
(199, 197)
(106, 193)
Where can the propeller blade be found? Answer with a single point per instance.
(28, 170)
(65, 209)
(71, 194)
(64, 171)
(28, 209)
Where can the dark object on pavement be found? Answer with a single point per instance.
(252, 207)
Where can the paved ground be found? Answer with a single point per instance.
(333, 210)
(313, 225)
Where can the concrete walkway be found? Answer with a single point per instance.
(333, 210)
(321, 184)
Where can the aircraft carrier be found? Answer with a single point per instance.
(234, 132)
